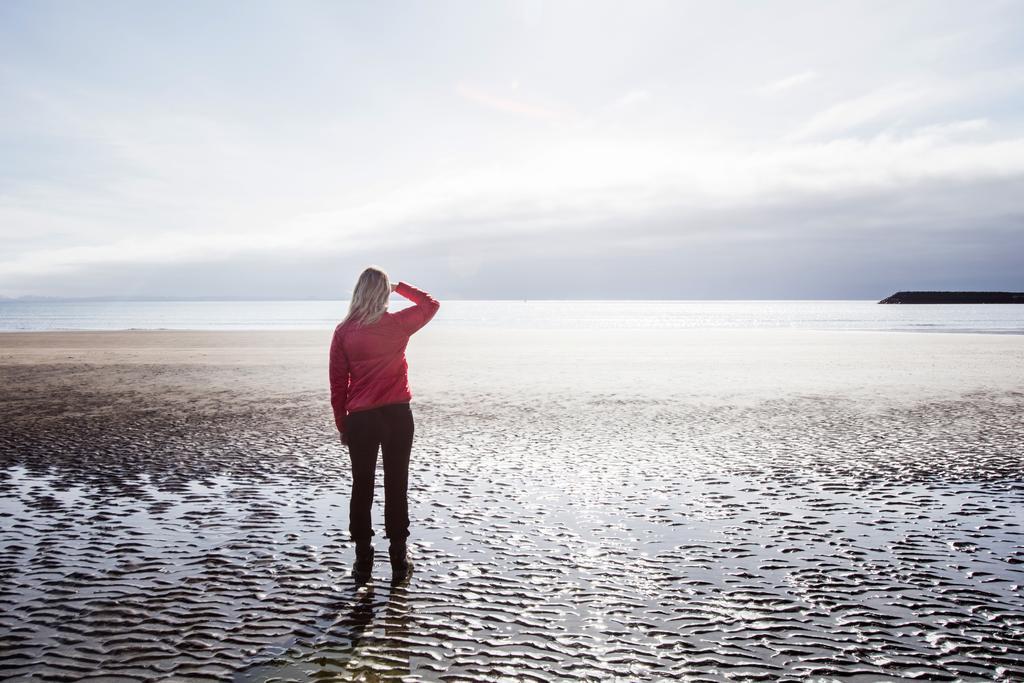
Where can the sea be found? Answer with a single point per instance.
(20, 315)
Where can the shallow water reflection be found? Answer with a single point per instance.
(795, 539)
(363, 636)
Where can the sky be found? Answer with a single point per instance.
(505, 150)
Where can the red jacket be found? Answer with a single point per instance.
(367, 366)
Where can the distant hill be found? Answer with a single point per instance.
(954, 298)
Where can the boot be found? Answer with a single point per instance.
(363, 566)
(401, 564)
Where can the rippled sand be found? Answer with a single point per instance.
(727, 506)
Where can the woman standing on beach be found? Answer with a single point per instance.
(370, 397)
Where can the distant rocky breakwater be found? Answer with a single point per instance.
(954, 298)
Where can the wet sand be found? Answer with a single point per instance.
(707, 505)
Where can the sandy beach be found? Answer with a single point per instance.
(736, 505)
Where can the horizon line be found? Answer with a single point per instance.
(111, 299)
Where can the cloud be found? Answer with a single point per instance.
(856, 111)
(492, 138)
(633, 98)
(787, 83)
(953, 128)
(594, 195)
(509, 105)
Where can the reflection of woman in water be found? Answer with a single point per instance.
(370, 396)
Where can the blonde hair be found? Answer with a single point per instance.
(370, 296)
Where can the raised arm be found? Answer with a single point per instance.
(339, 377)
(415, 317)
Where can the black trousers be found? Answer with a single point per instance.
(388, 428)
